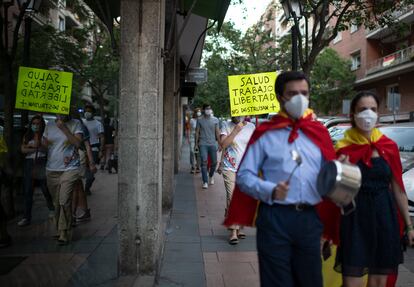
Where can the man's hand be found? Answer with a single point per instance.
(280, 191)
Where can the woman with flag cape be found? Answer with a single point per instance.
(370, 237)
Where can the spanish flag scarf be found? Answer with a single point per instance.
(359, 148)
(242, 209)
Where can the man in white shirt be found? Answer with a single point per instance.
(62, 139)
(234, 137)
(96, 140)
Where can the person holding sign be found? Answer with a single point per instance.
(62, 138)
(234, 137)
(207, 134)
(289, 229)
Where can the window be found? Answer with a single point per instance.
(337, 38)
(356, 61)
(393, 98)
(62, 25)
(353, 28)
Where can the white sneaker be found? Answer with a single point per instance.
(23, 222)
(205, 185)
(211, 180)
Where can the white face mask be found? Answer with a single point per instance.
(297, 106)
(198, 114)
(208, 112)
(88, 115)
(366, 120)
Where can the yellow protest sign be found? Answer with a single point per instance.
(45, 91)
(253, 94)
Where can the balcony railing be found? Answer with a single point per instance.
(391, 60)
(398, 15)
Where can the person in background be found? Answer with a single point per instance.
(109, 134)
(370, 239)
(62, 138)
(234, 137)
(79, 200)
(96, 140)
(34, 171)
(194, 157)
(207, 135)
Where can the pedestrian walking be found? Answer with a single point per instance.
(34, 170)
(207, 135)
(234, 137)
(80, 210)
(62, 138)
(194, 157)
(109, 135)
(288, 226)
(97, 142)
(370, 238)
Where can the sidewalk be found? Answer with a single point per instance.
(35, 259)
(196, 251)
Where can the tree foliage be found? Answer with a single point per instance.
(332, 82)
(325, 18)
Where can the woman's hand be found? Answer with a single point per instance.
(410, 236)
(344, 158)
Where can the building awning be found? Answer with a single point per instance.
(210, 9)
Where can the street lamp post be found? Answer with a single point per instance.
(293, 10)
(32, 7)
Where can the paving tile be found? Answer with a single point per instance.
(210, 257)
(229, 268)
(249, 256)
(48, 258)
(214, 281)
(246, 280)
(182, 252)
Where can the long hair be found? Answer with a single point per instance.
(29, 135)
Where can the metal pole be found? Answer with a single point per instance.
(294, 48)
(26, 60)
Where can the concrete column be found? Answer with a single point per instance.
(168, 140)
(140, 135)
(178, 131)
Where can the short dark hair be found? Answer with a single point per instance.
(91, 107)
(357, 97)
(286, 77)
(205, 106)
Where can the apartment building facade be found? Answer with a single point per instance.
(383, 61)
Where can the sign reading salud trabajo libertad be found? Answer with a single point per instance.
(253, 94)
(45, 91)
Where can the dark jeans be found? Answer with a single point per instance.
(288, 244)
(28, 184)
(205, 151)
(90, 177)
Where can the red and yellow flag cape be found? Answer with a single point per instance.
(359, 148)
(242, 209)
